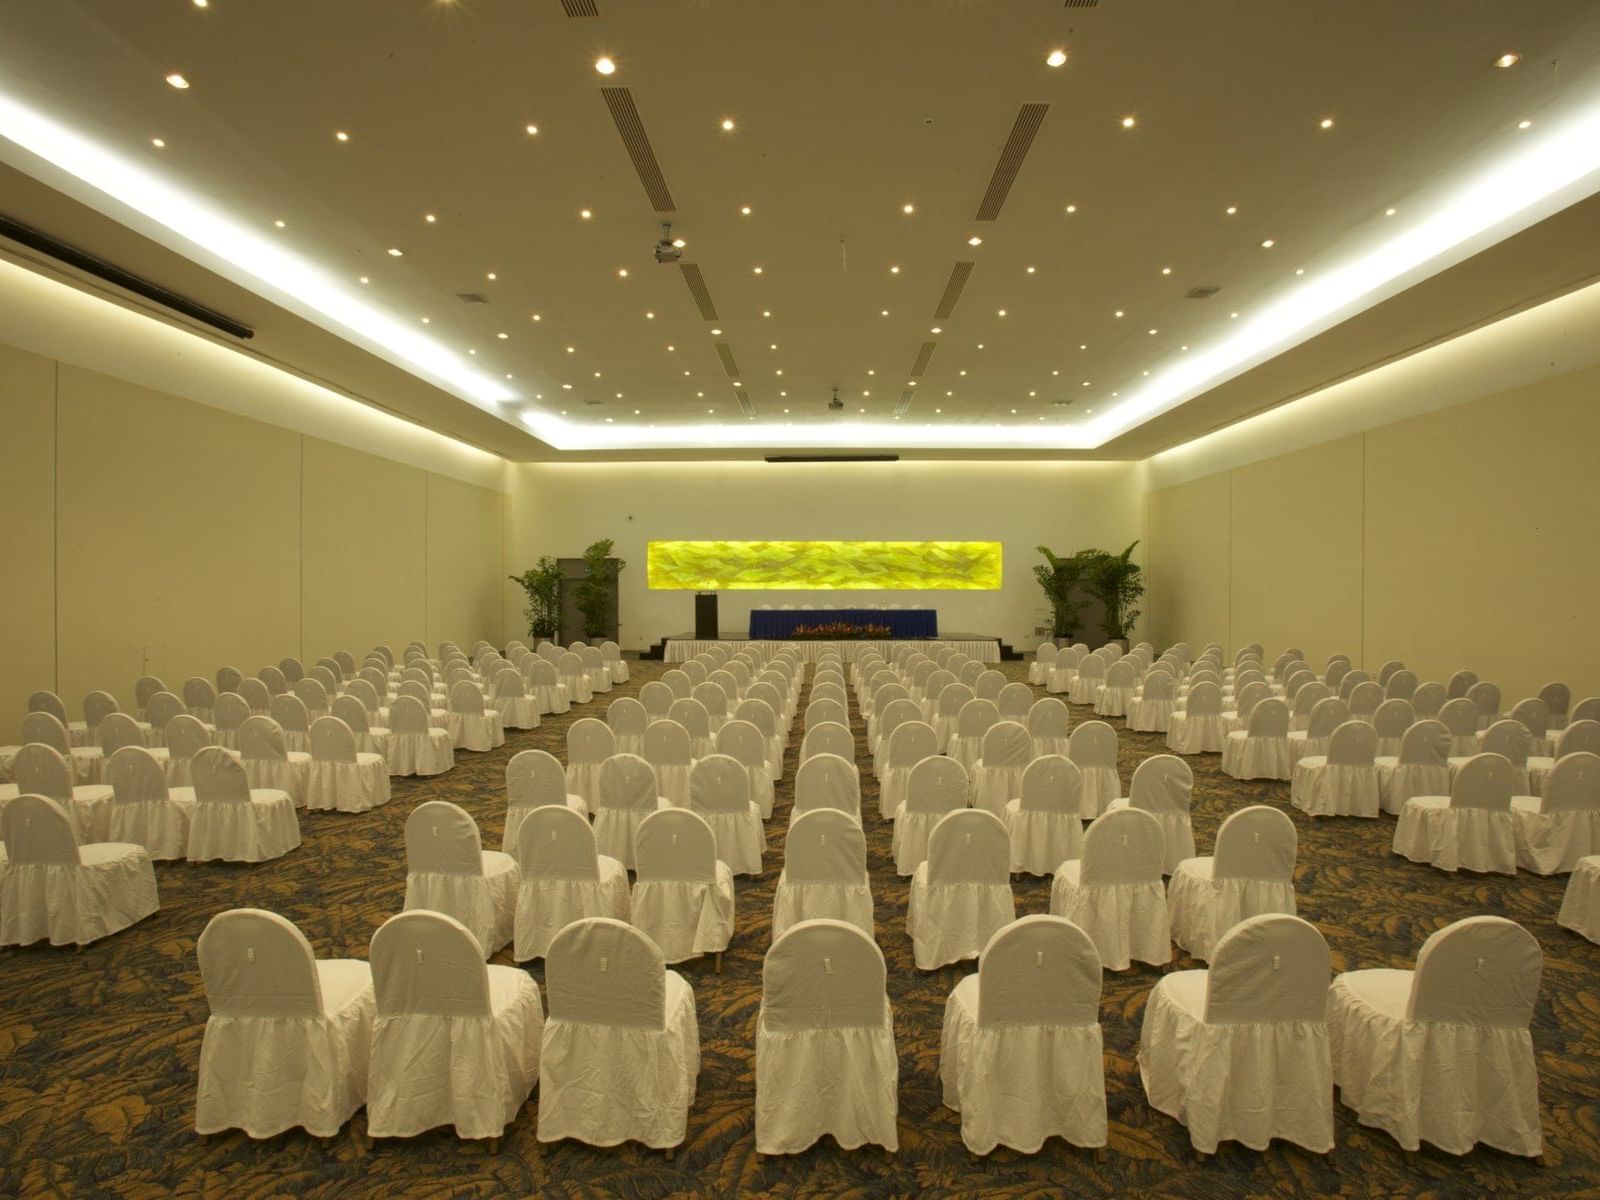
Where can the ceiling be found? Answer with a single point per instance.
(842, 115)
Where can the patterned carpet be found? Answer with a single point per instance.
(98, 1049)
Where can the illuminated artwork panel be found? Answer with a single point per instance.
(824, 566)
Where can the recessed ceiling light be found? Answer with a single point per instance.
(974, 240)
(679, 243)
(716, 333)
(341, 135)
(1001, 312)
(502, 336)
(1083, 347)
(1268, 244)
(572, 349)
(365, 280)
(1166, 270)
(622, 272)
(202, 3)
(537, 317)
(1128, 122)
(1326, 122)
(745, 210)
(471, 351)
(772, 346)
(532, 129)
(963, 371)
(636, 412)
(870, 371)
(491, 276)
(1055, 58)
(1231, 209)
(158, 143)
(884, 313)
(757, 270)
(429, 218)
(1523, 124)
(566, 387)
(178, 81)
(672, 349)
(1509, 59)
(980, 345)
(585, 213)
(1389, 212)
(908, 209)
(279, 224)
(1152, 332)
(1072, 208)
(395, 252)
(766, 312)
(1299, 270)
(427, 321)
(649, 316)
(1118, 313)
(605, 66)
(936, 329)
(1031, 270)
(894, 270)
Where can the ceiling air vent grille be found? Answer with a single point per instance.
(952, 290)
(1201, 293)
(696, 283)
(906, 397)
(1029, 118)
(1082, 4)
(725, 353)
(472, 298)
(580, 8)
(745, 406)
(923, 355)
(620, 101)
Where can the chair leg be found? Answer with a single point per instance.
(716, 963)
(1100, 1154)
(672, 1153)
(494, 1145)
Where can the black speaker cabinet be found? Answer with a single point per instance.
(705, 616)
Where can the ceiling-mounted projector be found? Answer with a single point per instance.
(669, 249)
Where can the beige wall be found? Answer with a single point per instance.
(153, 533)
(1462, 537)
(559, 508)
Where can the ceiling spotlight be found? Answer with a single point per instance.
(341, 135)
(716, 333)
(1327, 122)
(1524, 124)
(158, 143)
(279, 224)
(395, 252)
(605, 66)
(884, 313)
(908, 209)
(1509, 59)
(1128, 122)
(745, 209)
(365, 280)
(974, 240)
(178, 81)
(1231, 209)
(502, 336)
(585, 213)
(1055, 58)
(727, 124)
(202, 3)
(532, 129)
(1166, 270)
(491, 277)
(1389, 212)
(766, 312)
(1118, 313)
(894, 270)
(572, 349)
(537, 317)
(757, 270)
(649, 316)
(429, 218)
(936, 329)
(1031, 270)
(1152, 332)
(622, 272)
(1072, 208)
(1002, 312)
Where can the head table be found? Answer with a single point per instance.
(901, 622)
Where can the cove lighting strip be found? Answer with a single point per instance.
(289, 279)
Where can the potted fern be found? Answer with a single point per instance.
(1118, 582)
(542, 583)
(1061, 579)
(592, 593)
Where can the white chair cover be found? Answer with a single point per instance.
(286, 1044)
(455, 1042)
(1198, 728)
(628, 793)
(1044, 659)
(1093, 747)
(1580, 905)
(595, 669)
(1261, 749)
(1251, 873)
(1113, 892)
(549, 693)
(951, 699)
(1045, 822)
(667, 748)
(562, 878)
(615, 663)
(471, 725)
(1005, 752)
(268, 763)
(46, 770)
(825, 1054)
(966, 743)
(1554, 832)
(534, 779)
(589, 743)
(1151, 712)
(1087, 679)
(144, 811)
(1240, 1052)
(1050, 724)
(341, 778)
(512, 703)
(417, 747)
(826, 781)
(621, 1049)
(962, 893)
(627, 717)
(448, 871)
(1020, 1056)
(1163, 785)
(233, 821)
(935, 787)
(1470, 828)
(719, 790)
(1344, 782)
(569, 668)
(824, 873)
(1420, 769)
(1116, 693)
(696, 722)
(682, 894)
(909, 744)
(1442, 1054)
(51, 887)
(743, 741)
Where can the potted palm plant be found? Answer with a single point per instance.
(542, 583)
(1060, 579)
(592, 593)
(1118, 582)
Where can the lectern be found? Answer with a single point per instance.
(705, 616)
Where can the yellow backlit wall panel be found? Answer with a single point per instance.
(824, 566)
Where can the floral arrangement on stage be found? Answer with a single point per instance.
(840, 631)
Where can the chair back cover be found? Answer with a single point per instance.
(509, 684)
(690, 714)
(1269, 718)
(289, 711)
(218, 777)
(1039, 970)
(117, 730)
(910, 743)
(627, 781)
(1460, 683)
(332, 741)
(1425, 744)
(1393, 718)
(198, 692)
(1049, 717)
(935, 684)
(1402, 685)
(1353, 744)
(408, 715)
(745, 742)
(1326, 716)
(350, 708)
(1271, 967)
(1052, 783)
(823, 974)
(1246, 698)
(719, 783)
(1205, 700)
(96, 706)
(977, 717)
(1557, 697)
(554, 842)
(1486, 696)
(426, 962)
(679, 683)
(825, 845)
(467, 697)
(1477, 971)
(626, 717)
(186, 736)
(43, 770)
(1006, 744)
(442, 838)
(827, 781)
(989, 686)
(1534, 714)
(896, 713)
(326, 676)
(1573, 783)
(255, 963)
(1094, 744)
(1579, 735)
(589, 741)
(144, 687)
(709, 697)
(970, 845)
(535, 779)
(826, 710)
(1046, 653)
(1258, 842)
(1364, 700)
(1123, 845)
(666, 744)
(38, 830)
(657, 699)
(1388, 669)
(135, 775)
(762, 692)
(1508, 738)
(1428, 699)
(601, 971)
(230, 711)
(1158, 685)
(1484, 781)
(675, 844)
(45, 729)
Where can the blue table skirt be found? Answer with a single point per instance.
(902, 622)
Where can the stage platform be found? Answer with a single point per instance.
(680, 647)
